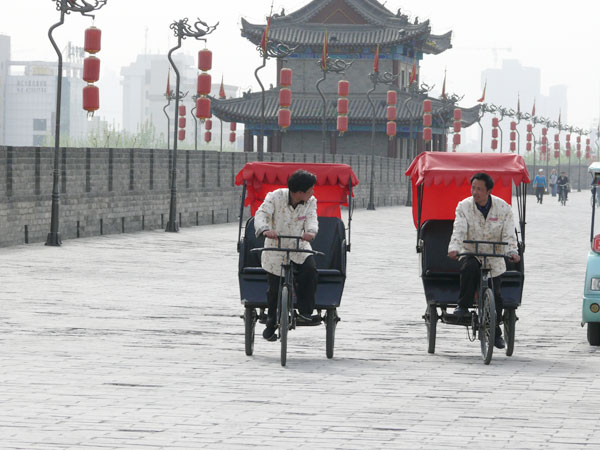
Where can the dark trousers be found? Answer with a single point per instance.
(539, 193)
(305, 284)
(470, 274)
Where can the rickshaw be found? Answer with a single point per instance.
(439, 181)
(591, 292)
(332, 191)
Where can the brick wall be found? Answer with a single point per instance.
(104, 191)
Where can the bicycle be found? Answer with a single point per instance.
(286, 315)
(562, 193)
(484, 320)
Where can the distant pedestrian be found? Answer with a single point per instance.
(553, 180)
(540, 185)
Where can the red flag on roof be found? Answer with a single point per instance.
(413, 73)
(376, 60)
(482, 99)
(325, 52)
(265, 36)
(533, 109)
(222, 89)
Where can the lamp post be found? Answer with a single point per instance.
(169, 96)
(65, 7)
(193, 112)
(376, 78)
(182, 30)
(485, 108)
(337, 66)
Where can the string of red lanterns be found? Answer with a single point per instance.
(529, 137)
(203, 105)
(456, 127)
(284, 115)
(182, 123)
(427, 121)
(232, 128)
(207, 130)
(568, 146)
(391, 113)
(544, 145)
(91, 70)
(495, 123)
(556, 146)
(343, 106)
(513, 136)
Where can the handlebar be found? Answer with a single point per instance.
(293, 250)
(478, 253)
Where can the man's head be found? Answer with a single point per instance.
(301, 185)
(563, 173)
(541, 171)
(481, 187)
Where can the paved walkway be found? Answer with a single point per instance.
(135, 341)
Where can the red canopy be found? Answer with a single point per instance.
(445, 178)
(331, 190)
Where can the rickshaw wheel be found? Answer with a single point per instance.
(487, 325)
(510, 320)
(330, 324)
(431, 318)
(284, 324)
(593, 333)
(250, 325)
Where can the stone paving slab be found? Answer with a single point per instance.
(135, 341)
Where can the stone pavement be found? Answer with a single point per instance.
(135, 342)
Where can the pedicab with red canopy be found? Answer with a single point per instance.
(439, 181)
(332, 191)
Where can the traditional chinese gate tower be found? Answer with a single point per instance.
(355, 28)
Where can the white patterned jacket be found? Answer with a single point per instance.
(278, 215)
(470, 224)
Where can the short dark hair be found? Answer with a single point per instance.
(301, 180)
(489, 183)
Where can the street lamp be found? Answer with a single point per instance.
(388, 79)
(182, 30)
(65, 7)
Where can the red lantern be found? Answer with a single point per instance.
(390, 113)
(568, 138)
(232, 126)
(343, 88)
(544, 131)
(285, 97)
(495, 122)
(342, 124)
(458, 114)
(91, 69)
(92, 39)
(392, 98)
(427, 106)
(182, 110)
(427, 134)
(284, 118)
(494, 144)
(556, 146)
(513, 125)
(182, 122)
(513, 146)
(232, 136)
(529, 137)
(390, 128)
(578, 139)
(556, 137)
(204, 82)
(544, 140)
(587, 142)
(513, 135)
(91, 98)
(587, 149)
(495, 133)
(456, 139)
(568, 153)
(208, 124)
(285, 77)
(587, 155)
(528, 146)
(529, 128)
(427, 120)
(578, 146)
(203, 108)
(543, 148)
(342, 106)
(182, 135)
(578, 154)
(456, 127)
(205, 60)
(556, 154)
(207, 136)
(568, 145)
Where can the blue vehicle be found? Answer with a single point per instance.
(591, 293)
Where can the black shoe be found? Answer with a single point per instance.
(499, 341)
(303, 320)
(461, 311)
(269, 333)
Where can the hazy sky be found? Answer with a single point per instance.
(561, 38)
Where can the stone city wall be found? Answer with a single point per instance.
(104, 191)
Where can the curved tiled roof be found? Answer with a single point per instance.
(307, 109)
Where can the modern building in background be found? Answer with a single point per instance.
(144, 88)
(28, 99)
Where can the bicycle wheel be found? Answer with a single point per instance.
(510, 320)
(487, 325)
(331, 321)
(284, 323)
(249, 325)
(431, 318)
